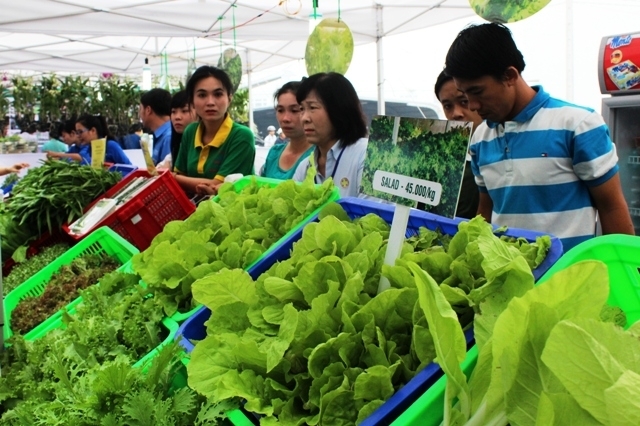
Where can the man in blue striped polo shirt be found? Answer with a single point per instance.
(540, 163)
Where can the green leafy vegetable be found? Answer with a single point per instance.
(232, 233)
(310, 342)
(57, 192)
(25, 270)
(63, 287)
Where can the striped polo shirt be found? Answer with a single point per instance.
(538, 167)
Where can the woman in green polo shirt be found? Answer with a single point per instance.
(215, 146)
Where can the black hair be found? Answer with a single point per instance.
(207, 71)
(135, 127)
(341, 102)
(179, 100)
(32, 128)
(68, 126)
(440, 81)
(290, 87)
(55, 130)
(98, 122)
(483, 50)
(159, 100)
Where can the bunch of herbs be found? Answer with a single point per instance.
(82, 373)
(57, 192)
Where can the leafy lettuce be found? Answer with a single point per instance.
(310, 342)
(551, 356)
(231, 233)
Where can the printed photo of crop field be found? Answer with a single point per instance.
(428, 149)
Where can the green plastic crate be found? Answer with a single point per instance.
(428, 410)
(239, 185)
(621, 254)
(103, 240)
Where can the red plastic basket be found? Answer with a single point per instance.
(143, 217)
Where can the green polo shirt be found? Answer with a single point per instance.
(232, 150)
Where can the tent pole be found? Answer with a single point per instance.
(569, 53)
(379, 54)
(249, 89)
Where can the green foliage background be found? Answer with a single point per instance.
(507, 10)
(329, 48)
(437, 157)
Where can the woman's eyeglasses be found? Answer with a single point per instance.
(79, 132)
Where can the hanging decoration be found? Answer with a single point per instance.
(330, 46)
(191, 64)
(229, 60)
(504, 11)
(165, 81)
(291, 7)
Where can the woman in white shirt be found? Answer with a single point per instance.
(333, 121)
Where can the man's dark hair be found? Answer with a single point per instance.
(341, 102)
(440, 81)
(483, 50)
(32, 128)
(135, 127)
(206, 71)
(159, 100)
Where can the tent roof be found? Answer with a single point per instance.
(116, 35)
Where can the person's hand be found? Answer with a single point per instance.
(206, 189)
(51, 154)
(17, 167)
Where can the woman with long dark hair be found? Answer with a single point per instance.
(91, 127)
(215, 146)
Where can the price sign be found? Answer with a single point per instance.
(420, 190)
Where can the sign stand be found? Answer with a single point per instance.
(396, 239)
(406, 187)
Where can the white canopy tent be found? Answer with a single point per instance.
(117, 35)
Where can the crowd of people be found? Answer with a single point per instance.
(534, 162)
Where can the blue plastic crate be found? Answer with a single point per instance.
(194, 328)
(124, 169)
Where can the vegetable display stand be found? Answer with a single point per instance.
(46, 240)
(101, 241)
(621, 254)
(144, 216)
(195, 329)
(124, 169)
(238, 186)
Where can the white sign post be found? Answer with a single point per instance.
(415, 189)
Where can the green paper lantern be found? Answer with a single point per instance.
(504, 11)
(329, 48)
(231, 62)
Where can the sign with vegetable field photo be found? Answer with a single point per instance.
(416, 162)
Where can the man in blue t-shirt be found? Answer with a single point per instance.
(155, 114)
(540, 163)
